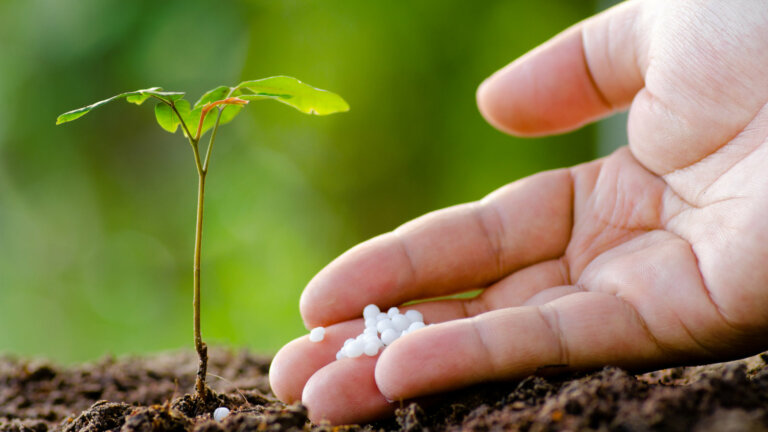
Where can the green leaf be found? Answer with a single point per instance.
(166, 118)
(228, 112)
(290, 91)
(143, 95)
(136, 97)
(213, 95)
(182, 106)
(208, 123)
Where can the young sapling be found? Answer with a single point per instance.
(172, 111)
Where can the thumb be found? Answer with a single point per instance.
(584, 73)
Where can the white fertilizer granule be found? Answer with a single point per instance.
(400, 322)
(354, 349)
(381, 329)
(384, 324)
(371, 348)
(389, 335)
(220, 413)
(371, 311)
(317, 334)
(414, 316)
(415, 326)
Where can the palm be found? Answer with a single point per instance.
(688, 272)
(652, 256)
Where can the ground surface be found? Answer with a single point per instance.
(147, 394)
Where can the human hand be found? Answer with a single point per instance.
(651, 257)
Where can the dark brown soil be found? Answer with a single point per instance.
(147, 394)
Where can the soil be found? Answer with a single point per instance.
(146, 394)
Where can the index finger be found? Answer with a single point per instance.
(448, 251)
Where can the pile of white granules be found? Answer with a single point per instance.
(381, 329)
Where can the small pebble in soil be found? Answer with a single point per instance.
(381, 329)
(220, 413)
(317, 334)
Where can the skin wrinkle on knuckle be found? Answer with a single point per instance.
(467, 307)
(571, 187)
(493, 364)
(565, 270)
(549, 315)
(589, 70)
(643, 325)
(490, 221)
(694, 339)
(401, 241)
(708, 293)
(610, 41)
(634, 43)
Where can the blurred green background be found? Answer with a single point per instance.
(97, 216)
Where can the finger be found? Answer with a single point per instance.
(518, 288)
(297, 361)
(345, 392)
(576, 331)
(523, 287)
(448, 251)
(582, 74)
